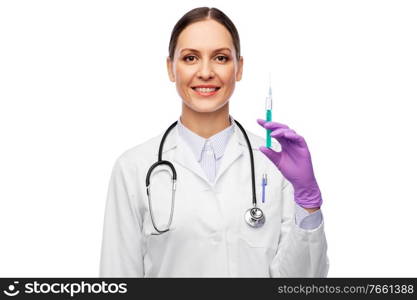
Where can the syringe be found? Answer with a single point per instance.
(268, 108)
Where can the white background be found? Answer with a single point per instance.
(83, 81)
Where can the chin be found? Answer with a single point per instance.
(205, 107)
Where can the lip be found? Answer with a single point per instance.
(206, 86)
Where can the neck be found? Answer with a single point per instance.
(205, 124)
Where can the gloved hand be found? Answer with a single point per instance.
(294, 162)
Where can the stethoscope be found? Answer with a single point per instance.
(254, 216)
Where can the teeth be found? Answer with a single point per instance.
(205, 90)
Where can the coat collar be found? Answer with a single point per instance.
(197, 143)
(184, 156)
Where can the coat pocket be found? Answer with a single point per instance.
(266, 235)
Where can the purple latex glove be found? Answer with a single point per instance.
(294, 162)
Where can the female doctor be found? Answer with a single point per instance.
(237, 208)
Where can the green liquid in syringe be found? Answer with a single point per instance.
(268, 131)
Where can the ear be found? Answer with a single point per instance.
(170, 69)
(239, 69)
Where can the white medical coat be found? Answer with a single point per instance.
(209, 236)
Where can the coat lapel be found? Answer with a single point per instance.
(184, 156)
(233, 151)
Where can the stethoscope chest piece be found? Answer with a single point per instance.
(255, 217)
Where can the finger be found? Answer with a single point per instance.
(274, 156)
(281, 133)
(293, 136)
(270, 125)
(261, 121)
(274, 125)
(289, 135)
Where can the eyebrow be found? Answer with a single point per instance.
(194, 50)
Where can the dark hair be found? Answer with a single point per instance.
(199, 14)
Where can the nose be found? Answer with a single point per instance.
(205, 71)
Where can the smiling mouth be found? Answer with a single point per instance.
(206, 91)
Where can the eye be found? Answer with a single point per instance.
(222, 58)
(189, 58)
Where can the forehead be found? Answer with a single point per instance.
(205, 35)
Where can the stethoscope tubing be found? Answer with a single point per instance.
(252, 165)
(250, 215)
